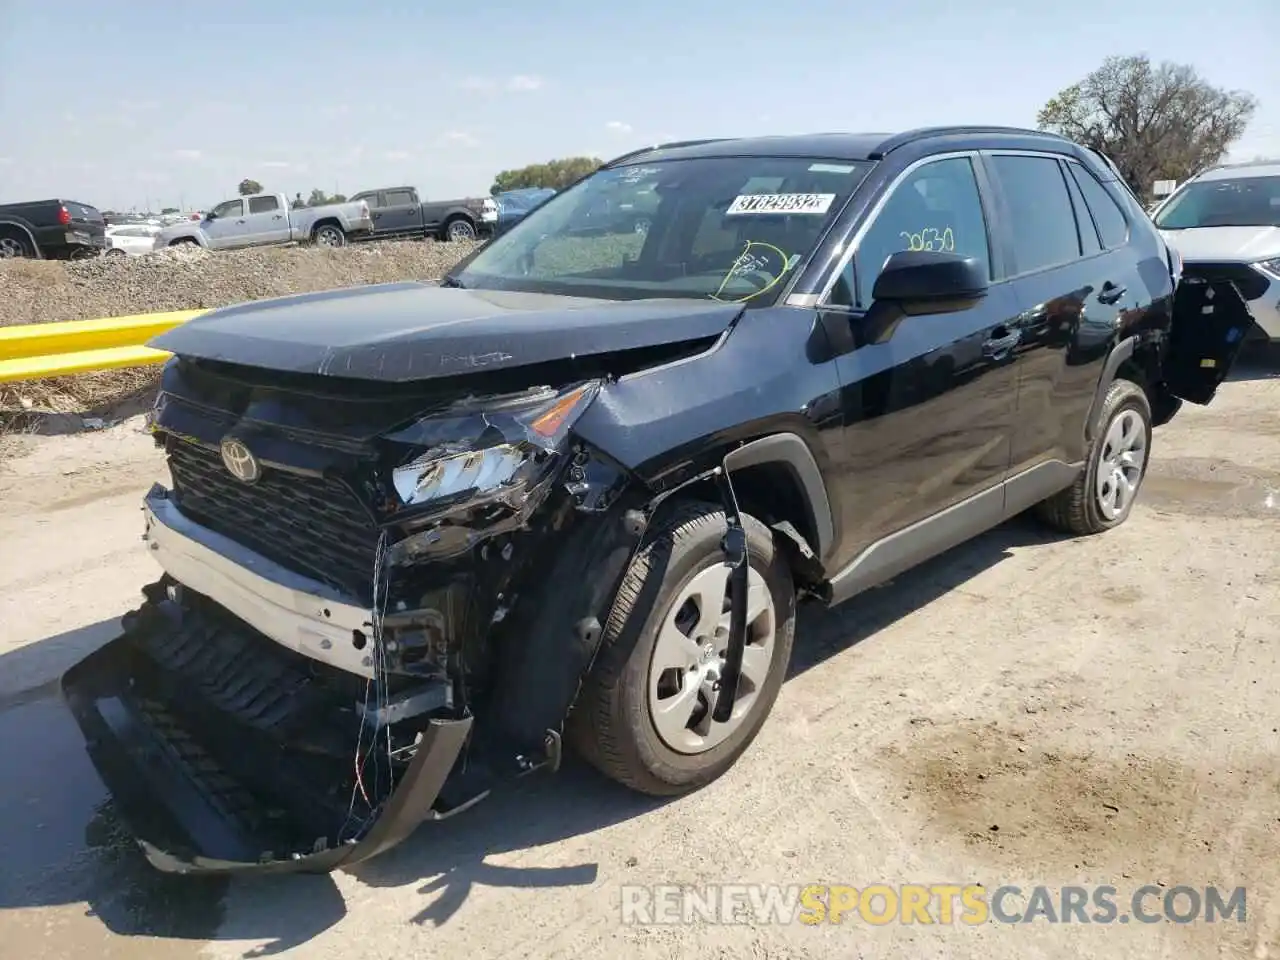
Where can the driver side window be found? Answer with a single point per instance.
(229, 208)
(937, 207)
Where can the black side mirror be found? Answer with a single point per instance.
(211, 216)
(924, 281)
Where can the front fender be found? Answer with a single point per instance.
(754, 397)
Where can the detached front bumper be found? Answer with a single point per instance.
(187, 810)
(226, 744)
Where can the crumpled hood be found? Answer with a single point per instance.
(1233, 244)
(417, 331)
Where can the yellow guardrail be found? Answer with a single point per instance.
(29, 351)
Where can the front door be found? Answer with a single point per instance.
(930, 406)
(226, 230)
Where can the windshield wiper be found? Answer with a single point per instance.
(453, 282)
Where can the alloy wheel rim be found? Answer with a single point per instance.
(1122, 461)
(461, 231)
(689, 655)
(10, 248)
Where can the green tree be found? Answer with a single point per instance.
(556, 174)
(1155, 122)
(319, 198)
(249, 187)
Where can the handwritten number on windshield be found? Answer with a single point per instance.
(756, 257)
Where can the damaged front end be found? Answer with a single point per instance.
(343, 642)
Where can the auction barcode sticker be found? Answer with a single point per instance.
(781, 203)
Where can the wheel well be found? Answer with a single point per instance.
(327, 222)
(773, 494)
(22, 233)
(1143, 368)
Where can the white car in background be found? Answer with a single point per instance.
(133, 239)
(1225, 223)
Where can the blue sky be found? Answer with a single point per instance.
(169, 101)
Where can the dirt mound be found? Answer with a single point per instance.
(181, 278)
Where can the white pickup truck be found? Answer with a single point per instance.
(266, 218)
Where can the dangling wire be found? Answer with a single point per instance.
(377, 686)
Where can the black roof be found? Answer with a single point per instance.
(831, 146)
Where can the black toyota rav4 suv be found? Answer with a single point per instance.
(419, 536)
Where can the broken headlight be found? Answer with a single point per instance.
(490, 448)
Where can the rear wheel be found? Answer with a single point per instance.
(1103, 495)
(460, 230)
(15, 244)
(329, 235)
(184, 242)
(644, 715)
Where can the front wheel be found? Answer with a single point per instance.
(1103, 495)
(644, 714)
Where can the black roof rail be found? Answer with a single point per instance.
(673, 145)
(923, 133)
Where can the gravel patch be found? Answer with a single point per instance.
(181, 278)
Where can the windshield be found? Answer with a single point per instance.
(1242, 202)
(726, 228)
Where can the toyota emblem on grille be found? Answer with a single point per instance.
(240, 461)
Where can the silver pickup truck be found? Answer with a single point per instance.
(266, 218)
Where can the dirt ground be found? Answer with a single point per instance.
(1026, 709)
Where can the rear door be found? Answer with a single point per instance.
(1078, 293)
(401, 213)
(266, 221)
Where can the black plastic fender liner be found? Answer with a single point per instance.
(188, 815)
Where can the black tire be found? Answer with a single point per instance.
(459, 229)
(1077, 509)
(185, 242)
(610, 725)
(329, 235)
(15, 245)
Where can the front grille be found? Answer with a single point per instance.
(1248, 281)
(312, 525)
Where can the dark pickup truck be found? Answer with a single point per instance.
(399, 213)
(51, 230)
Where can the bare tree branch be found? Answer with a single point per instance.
(1161, 122)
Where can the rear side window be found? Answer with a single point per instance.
(1089, 243)
(1112, 226)
(1041, 219)
(399, 198)
(263, 204)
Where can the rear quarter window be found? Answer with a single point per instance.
(1113, 228)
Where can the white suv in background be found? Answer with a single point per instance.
(1225, 222)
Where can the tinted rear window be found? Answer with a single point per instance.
(80, 211)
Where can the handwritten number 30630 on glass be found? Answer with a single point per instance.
(930, 238)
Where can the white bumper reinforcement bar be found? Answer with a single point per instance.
(300, 613)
